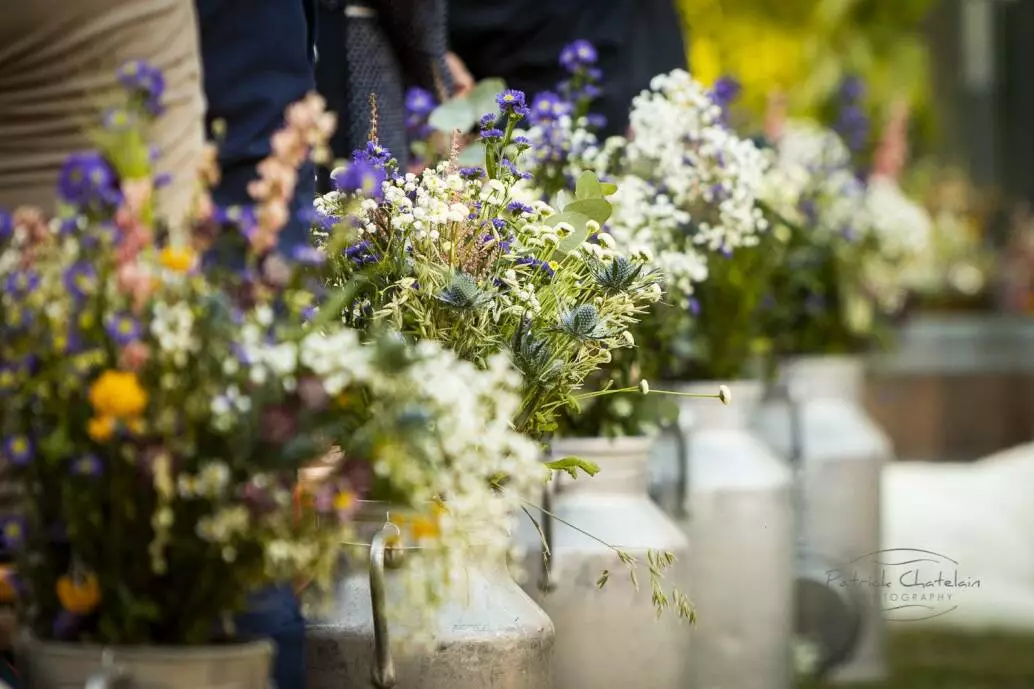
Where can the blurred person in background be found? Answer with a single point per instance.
(258, 58)
(520, 41)
(59, 63)
(379, 48)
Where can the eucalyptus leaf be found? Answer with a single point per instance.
(596, 209)
(579, 235)
(472, 155)
(588, 186)
(572, 464)
(457, 114)
(482, 97)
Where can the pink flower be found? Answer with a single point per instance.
(137, 194)
(135, 282)
(775, 117)
(134, 355)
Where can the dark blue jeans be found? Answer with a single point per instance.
(275, 614)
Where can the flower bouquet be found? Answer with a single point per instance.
(689, 196)
(157, 407)
(851, 242)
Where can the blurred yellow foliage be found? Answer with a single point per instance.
(805, 47)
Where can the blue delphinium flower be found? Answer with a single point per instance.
(80, 280)
(18, 449)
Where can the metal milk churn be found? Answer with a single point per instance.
(610, 637)
(496, 637)
(840, 454)
(740, 528)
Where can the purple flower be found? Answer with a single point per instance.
(308, 255)
(596, 121)
(419, 101)
(86, 179)
(725, 91)
(487, 120)
(162, 180)
(87, 465)
(361, 177)
(6, 226)
(80, 280)
(144, 82)
(118, 119)
(491, 135)
(513, 102)
(373, 153)
(853, 125)
(694, 306)
(324, 221)
(67, 626)
(22, 282)
(536, 264)
(13, 530)
(498, 223)
(578, 55)
(517, 207)
(852, 89)
(361, 254)
(18, 449)
(548, 106)
(521, 141)
(122, 328)
(471, 172)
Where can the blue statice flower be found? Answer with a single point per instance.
(21, 282)
(536, 264)
(144, 82)
(694, 306)
(373, 153)
(86, 179)
(852, 123)
(361, 177)
(578, 55)
(518, 207)
(419, 106)
(122, 328)
(323, 221)
(18, 449)
(488, 120)
(6, 226)
(80, 280)
(521, 141)
(162, 180)
(472, 172)
(513, 102)
(725, 91)
(361, 254)
(491, 135)
(498, 223)
(308, 255)
(513, 170)
(118, 119)
(88, 465)
(547, 107)
(596, 121)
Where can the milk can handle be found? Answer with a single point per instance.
(546, 524)
(110, 676)
(384, 664)
(683, 447)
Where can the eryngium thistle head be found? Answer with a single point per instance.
(462, 292)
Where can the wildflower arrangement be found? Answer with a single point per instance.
(157, 407)
(691, 195)
(851, 240)
(561, 126)
(450, 255)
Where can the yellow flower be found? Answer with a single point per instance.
(424, 527)
(343, 500)
(100, 428)
(118, 394)
(79, 596)
(179, 260)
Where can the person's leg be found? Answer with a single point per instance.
(58, 63)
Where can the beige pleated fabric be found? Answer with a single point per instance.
(58, 60)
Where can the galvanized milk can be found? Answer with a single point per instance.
(608, 638)
(497, 638)
(740, 528)
(841, 454)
